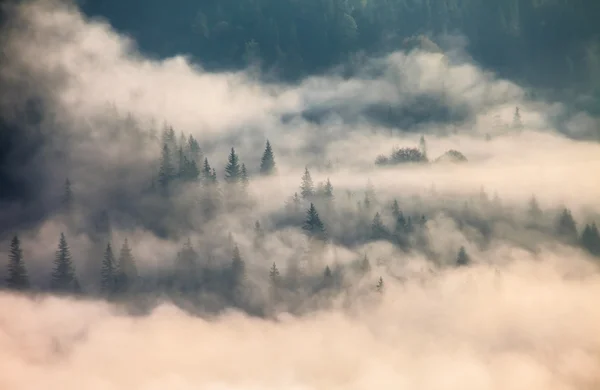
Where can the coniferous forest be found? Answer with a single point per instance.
(319, 194)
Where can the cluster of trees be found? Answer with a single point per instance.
(522, 38)
(312, 208)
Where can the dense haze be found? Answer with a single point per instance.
(455, 245)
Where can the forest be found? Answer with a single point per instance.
(299, 194)
(548, 44)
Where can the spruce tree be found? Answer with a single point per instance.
(63, 274)
(378, 229)
(267, 162)
(313, 225)
(17, 273)
(274, 274)
(423, 146)
(238, 267)
(307, 188)
(233, 171)
(166, 172)
(108, 272)
(395, 209)
(244, 176)
(206, 171)
(590, 239)
(327, 277)
(380, 285)
(365, 264)
(194, 149)
(127, 269)
(534, 211)
(566, 227)
(328, 190)
(462, 259)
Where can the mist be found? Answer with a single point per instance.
(472, 264)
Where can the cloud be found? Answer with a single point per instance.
(524, 315)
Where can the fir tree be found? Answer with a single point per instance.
(195, 151)
(534, 211)
(566, 226)
(107, 272)
(267, 162)
(590, 239)
(307, 188)
(379, 287)
(244, 176)
(127, 270)
(17, 272)
(401, 227)
(63, 274)
(313, 225)
(166, 170)
(462, 259)
(206, 171)
(233, 172)
(328, 190)
(237, 267)
(274, 274)
(378, 229)
(395, 209)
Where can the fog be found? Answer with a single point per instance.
(79, 102)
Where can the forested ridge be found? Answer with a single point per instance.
(210, 272)
(544, 43)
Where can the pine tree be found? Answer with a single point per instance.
(244, 176)
(590, 239)
(17, 272)
(233, 172)
(166, 171)
(307, 188)
(195, 151)
(379, 287)
(566, 226)
(462, 259)
(378, 229)
(63, 275)
(313, 225)
(67, 199)
(206, 171)
(401, 227)
(238, 267)
(328, 190)
(274, 274)
(267, 162)
(127, 270)
(107, 272)
(396, 209)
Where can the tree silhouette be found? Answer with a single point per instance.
(267, 162)
(233, 170)
(17, 272)
(313, 225)
(108, 272)
(462, 259)
(63, 275)
(307, 188)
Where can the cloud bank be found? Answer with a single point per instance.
(79, 102)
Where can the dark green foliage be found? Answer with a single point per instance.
(462, 259)
(566, 226)
(108, 275)
(313, 225)
(17, 273)
(166, 171)
(233, 170)
(590, 239)
(127, 271)
(402, 156)
(378, 229)
(63, 275)
(307, 188)
(244, 176)
(267, 162)
(274, 274)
